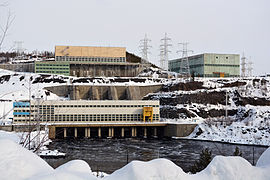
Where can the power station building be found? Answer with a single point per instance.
(210, 65)
(74, 111)
(90, 54)
(82, 61)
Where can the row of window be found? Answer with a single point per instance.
(228, 65)
(88, 117)
(54, 68)
(92, 59)
(60, 72)
(91, 106)
(45, 64)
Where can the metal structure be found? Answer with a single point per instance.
(164, 51)
(243, 66)
(19, 47)
(184, 66)
(144, 47)
(249, 68)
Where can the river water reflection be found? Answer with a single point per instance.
(108, 155)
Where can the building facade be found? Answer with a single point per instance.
(90, 54)
(85, 111)
(52, 67)
(210, 65)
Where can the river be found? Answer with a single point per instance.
(108, 155)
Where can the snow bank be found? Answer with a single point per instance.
(18, 163)
(72, 170)
(232, 167)
(264, 159)
(155, 169)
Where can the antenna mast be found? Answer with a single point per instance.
(164, 52)
(144, 47)
(184, 65)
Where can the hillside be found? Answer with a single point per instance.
(201, 101)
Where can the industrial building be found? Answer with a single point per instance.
(90, 54)
(81, 61)
(210, 65)
(96, 119)
(85, 111)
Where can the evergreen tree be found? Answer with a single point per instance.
(237, 152)
(202, 163)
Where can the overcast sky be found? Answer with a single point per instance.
(210, 26)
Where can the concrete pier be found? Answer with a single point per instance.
(99, 132)
(118, 130)
(122, 132)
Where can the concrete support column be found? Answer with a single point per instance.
(65, 132)
(88, 132)
(75, 132)
(132, 132)
(123, 132)
(112, 132)
(99, 132)
(155, 131)
(85, 132)
(135, 131)
(145, 133)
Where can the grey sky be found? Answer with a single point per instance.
(220, 26)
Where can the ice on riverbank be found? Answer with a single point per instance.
(19, 164)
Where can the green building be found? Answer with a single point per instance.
(52, 67)
(210, 65)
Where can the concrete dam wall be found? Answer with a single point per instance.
(87, 92)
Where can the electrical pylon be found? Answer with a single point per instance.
(164, 51)
(184, 64)
(144, 47)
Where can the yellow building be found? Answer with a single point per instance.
(90, 54)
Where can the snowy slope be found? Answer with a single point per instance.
(203, 101)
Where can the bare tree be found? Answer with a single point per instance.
(5, 26)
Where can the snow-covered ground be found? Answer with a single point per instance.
(20, 164)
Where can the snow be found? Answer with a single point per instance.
(264, 160)
(21, 164)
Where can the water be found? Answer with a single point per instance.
(108, 155)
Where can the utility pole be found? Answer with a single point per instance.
(243, 66)
(184, 65)
(144, 47)
(164, 51)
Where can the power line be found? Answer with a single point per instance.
(164, 51)
(144, 47)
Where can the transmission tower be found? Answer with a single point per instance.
(250, 68)
(243, 65)
(164, 51)
(184, 64)
(144, 47)
(18, 47)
